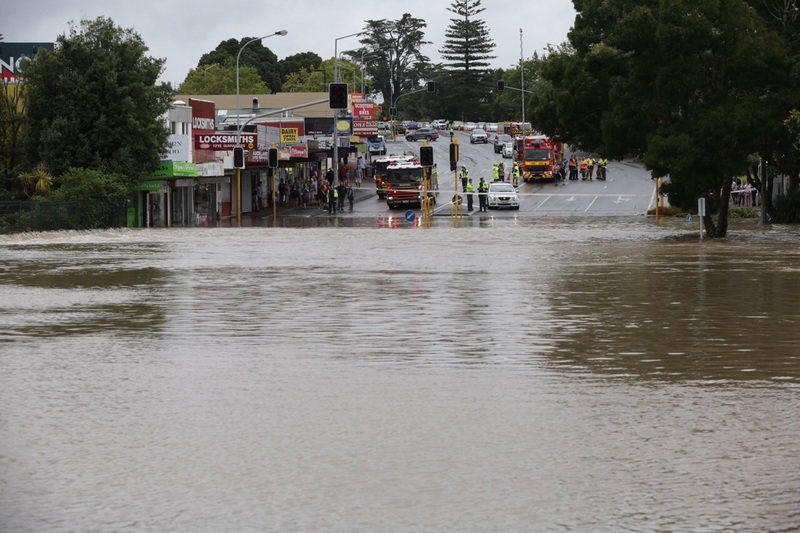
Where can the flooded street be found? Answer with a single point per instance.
(510, 375)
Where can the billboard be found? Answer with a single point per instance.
(12, 53)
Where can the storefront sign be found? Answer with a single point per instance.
(363, 110)
(223, 141)
(150, 185)
(289, 135)
(169, 169)
(365, 128)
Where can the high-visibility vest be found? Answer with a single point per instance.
(584, 164)
(464, 173)
(495, 172)
(516, 171)
(470, 188)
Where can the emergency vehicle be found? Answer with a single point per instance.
(379, 167)
(536, 155)
(403, 180)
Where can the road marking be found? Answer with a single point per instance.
(591, 204)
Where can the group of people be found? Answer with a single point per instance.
(745, 194)
(586, 166)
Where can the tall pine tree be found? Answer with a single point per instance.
(467, 54)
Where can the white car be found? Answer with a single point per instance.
(502, 194)
(478, 136)
(492, 127)
(508, 150)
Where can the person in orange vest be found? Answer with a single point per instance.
(573, 168)
(584, 168)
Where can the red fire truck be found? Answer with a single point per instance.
(536, 155)
(379, 167)
(403, 180)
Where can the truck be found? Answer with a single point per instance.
(536, 155)
(404, 180)
(379, 167)
(376, 145)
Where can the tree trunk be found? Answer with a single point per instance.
(721, 229)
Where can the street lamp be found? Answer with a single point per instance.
(239, 125)
(336, 111)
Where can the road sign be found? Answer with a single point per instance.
(410, 216)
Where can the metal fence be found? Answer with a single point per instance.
(17, 217)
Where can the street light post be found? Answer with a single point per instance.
(336, 79)
(239, 125)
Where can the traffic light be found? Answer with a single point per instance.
(501, 86)
(393, 111)
(453, 156)
(431, 86)
(337, 96)
(426, 156)
(238, 157)
(272, 160)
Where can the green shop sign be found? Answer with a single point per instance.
(171, 169)
(152, 185)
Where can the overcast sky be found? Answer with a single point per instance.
(183, 30)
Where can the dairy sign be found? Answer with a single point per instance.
(224, 141)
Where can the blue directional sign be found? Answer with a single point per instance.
(410, 216)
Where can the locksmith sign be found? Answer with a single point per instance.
(224, 141)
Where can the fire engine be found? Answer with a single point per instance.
(379, 167)
(536, 155)
(403, 181)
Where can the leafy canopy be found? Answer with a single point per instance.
(94, 102)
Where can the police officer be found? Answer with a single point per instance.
(495, 172)
(469, 190)
(464, 177)
(435, 176)
(483, 200)
(516, 174)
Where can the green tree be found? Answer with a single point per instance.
(684, 86)
(393, 60)
(467, 54)
(12, 117)
(221, 79)
(294, 63)
(311, 80)
(95, 102)
(255, 55)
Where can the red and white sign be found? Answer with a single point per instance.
(223, 141)
(363, 110)
(365, 128)
(284, 154)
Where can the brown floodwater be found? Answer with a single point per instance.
(518, 375)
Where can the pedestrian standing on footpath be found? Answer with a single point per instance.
(350, 196)
(483, 200)
(470, 190)
(341, 192)
(464, 177)
(333, 200)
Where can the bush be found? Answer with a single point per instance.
(743, 212)
(786, 208)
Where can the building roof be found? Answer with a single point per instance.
(267, 102)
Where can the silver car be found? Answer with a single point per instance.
(502, 194)
(478, 136)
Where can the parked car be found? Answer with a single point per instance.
(508, 150)
(499, 141)
(492, 127)
(478, 136)
(502, 194)
(469, 126)
(429, 134)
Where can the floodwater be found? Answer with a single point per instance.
(545, 375)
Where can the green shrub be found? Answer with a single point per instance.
(786, 208)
